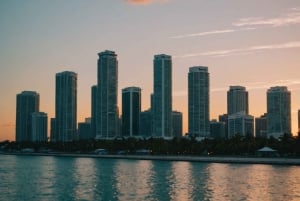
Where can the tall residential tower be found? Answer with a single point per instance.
(237, 100)
(27, 103)
(162, 96)
(198, 101)
(278, 111)
(65, 106)
(131, 109)
(107, 116)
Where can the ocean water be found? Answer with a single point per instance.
(50, 178)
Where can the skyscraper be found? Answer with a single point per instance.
(107, 96)
(93, 110)
(146, 123)
(198, 101)
(39, 126)
(65, 106)
(162, 96)
(237, 100)
(131, 109)
(27, 103)
(278, 111)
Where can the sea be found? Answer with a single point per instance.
(52, 178)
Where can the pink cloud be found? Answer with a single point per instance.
(145, 2)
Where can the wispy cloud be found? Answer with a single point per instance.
(145, 2)
(214, 32)
(263, 85)
(248, 50)
(290, 18)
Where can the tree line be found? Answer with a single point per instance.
(287, 146)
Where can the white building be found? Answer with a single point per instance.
(240, 124)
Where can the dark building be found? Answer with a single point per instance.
(93, 110)
(162, 96)
(39, 127)
(261, 126)
(27, 103)
(177, 124)
(131, 109)
(217, 129)
(65, 106)
(237, 100)
(107, 117)
(52, 130)
(198, 101)
(146, 123)
(224, 118)
(85, 130)
(279, 111)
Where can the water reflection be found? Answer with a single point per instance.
(133, 179)
(58, 178)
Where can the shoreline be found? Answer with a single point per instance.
(202, 159)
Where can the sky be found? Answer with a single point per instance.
(252, 43)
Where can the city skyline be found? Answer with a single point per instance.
(242, 43)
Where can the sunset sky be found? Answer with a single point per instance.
(253, 43)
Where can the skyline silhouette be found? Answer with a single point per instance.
(241, 43)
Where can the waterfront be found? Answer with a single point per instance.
(74, 178)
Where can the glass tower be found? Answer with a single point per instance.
(27, 103)
(131, 109)
(162, 96)
(65, 106)
(107, 96)
(237, 100)
(198, 101)
(278, 111)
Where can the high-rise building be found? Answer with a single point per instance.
(240, 123)
(261, 126)
(198, 101)
(162, 96)
(93, 110)
(298, 122)
(237, 100)
(279, 111)
(177, 124)
(65, 106)
(146, 123)
(39, 127)
(52, 130)
(131, 109)
(107, 116)
(27, 103)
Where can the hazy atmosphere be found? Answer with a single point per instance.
(254, 43)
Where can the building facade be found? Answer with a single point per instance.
(240, 124)
(279, 111)
(65, 107)
(107, 116)
(94, 90)
(217, 129)
(237, 100)
(146, 123)
(27, 103)
(131, 109)
(39, 126)
(261, 126)
(198, 101)
(162, 96)
(177, 124)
